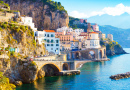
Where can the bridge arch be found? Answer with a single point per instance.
(65, 66)
(50, 69)
(92, 54)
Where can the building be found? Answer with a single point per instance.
(74, 45)
(95, 27)
(92, 40)
(85, 20)
(83, 35)
(28, 21)
(103, 36)
(66, 29)
(89, 27)
(47, 37)
(77, 32)
(110, 36)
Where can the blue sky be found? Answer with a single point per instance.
(89, 8)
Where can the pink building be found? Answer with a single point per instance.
(66, 38)
(82, 20)
(85, 20)
(95, 27)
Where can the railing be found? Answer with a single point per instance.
(45, 60)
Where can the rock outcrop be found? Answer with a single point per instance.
(120, 76)
(43, 16)
(115, 51)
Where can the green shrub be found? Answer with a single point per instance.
(4, 83)
(4, 26)
(22, 28)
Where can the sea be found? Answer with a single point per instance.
(93, 76)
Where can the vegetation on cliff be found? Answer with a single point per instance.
(46, 14)
(112, 47)
(4, 83)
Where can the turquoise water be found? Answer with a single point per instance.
(94, 76)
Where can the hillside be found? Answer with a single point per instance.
(46, 14)
(122, 36)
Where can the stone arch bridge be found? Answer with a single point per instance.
(57, 65)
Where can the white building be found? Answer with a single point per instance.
(66, 29)
(74, 44)
(92, 40)
(77, 32)
(47, 37)
(103, 36)
(28, 21)
(110, 36)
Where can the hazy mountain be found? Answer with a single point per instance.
(122, 36)
(122, 21)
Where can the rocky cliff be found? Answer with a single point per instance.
(43, 16)
(112, 48)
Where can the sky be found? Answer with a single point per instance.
(89, 8)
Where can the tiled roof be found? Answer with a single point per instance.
(49, 30)
(93, 32)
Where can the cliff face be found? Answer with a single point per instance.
(42, 15)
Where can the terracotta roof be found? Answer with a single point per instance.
(49, 30)
(93, 32)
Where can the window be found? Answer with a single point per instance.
(57, 44)
(47, 35)
(51, 44)
(44, 39)
(48, 41)
(52, 35)
(57, 41)
(51, 48)
(48, 44)
(52, 41)
(57, 49)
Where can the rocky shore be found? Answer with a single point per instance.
(120, 76)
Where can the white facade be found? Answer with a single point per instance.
(93, 41)
(110, 36)
(77, 32)
(74, 45)
(103, 36)
(52, 44)
(66, 29)
(29, 22)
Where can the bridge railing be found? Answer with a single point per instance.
(45, 60)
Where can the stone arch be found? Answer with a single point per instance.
(92, 54)
(65, 66)
(100, 54)
(50, 69)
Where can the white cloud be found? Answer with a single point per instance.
(77, 14)
(114, 11)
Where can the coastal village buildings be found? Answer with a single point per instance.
(110, 36)
(103, 36)
(95, 27)
(47, 37)
(28, 21)
(93, 40)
